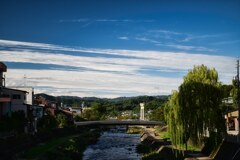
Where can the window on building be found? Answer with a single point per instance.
(16, 96)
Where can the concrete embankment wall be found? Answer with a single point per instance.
(227, 149)
(162, 147)
(149, 138)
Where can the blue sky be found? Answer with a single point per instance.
(111, 48)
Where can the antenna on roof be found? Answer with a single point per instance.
(25, 77)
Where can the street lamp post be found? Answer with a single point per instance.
(238, 100)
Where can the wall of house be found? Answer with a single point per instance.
(18, 99)
(232, 122)
(29, 95)
(236, 124)
(4, 108)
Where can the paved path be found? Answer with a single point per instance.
(118, 122)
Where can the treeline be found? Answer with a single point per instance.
(114, 107)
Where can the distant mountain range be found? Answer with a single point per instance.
(118, 99)
(112, 104)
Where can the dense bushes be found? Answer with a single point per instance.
(16, 122)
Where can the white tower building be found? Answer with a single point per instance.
(141, 111)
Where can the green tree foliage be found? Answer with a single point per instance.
(62, 120)
(157, 114)
(78, 118)
(18, 121)
(154, 104)
(47, 123)
(76, 104)
(171, 116)
(110, 107)
(156, 108)
(196, 107)
(233, 92)
(97, 111)
(98, 107)
(226, 89)
(91, 115)
(15, 123)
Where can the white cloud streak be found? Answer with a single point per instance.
(166, 32)
(74, 20)
(226, 42)
(183, 37)
(81, 20)
(123, 38)
(105, 76)
(176, 46)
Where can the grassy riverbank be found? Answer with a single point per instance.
(134, 130)
(67, 147)
(156, 145)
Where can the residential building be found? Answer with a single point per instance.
(76, 110)
(11, 100)
(30, 93)
(3, 68)
(232, 122)
(47, 106)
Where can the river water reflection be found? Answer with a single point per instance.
(114, 146)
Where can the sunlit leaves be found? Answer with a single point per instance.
(195, 107)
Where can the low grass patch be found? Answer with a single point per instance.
(152, 156)
(194, 148)
(134, 130)
(68, 147)
(164, 135)
(41, 149)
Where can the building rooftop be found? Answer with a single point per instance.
(3, 67)
(14, 90)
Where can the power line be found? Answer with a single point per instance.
(238, 101)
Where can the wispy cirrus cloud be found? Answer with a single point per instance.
(147, 40)
(104, 74)
(181, 36)
(168, 32)
(193, 43)
(226, 42)
(176, 46)
(200, 37)
(80, 20)
(85, 22)
(74, 20)
(187, 47)
(123, 38)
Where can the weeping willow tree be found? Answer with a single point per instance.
(233, 92)
(195, 108)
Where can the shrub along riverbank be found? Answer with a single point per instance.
(157, 146)
(65, 147)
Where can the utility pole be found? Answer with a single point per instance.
(24, 81)
(238, 100)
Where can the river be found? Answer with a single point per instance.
(114, 146)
